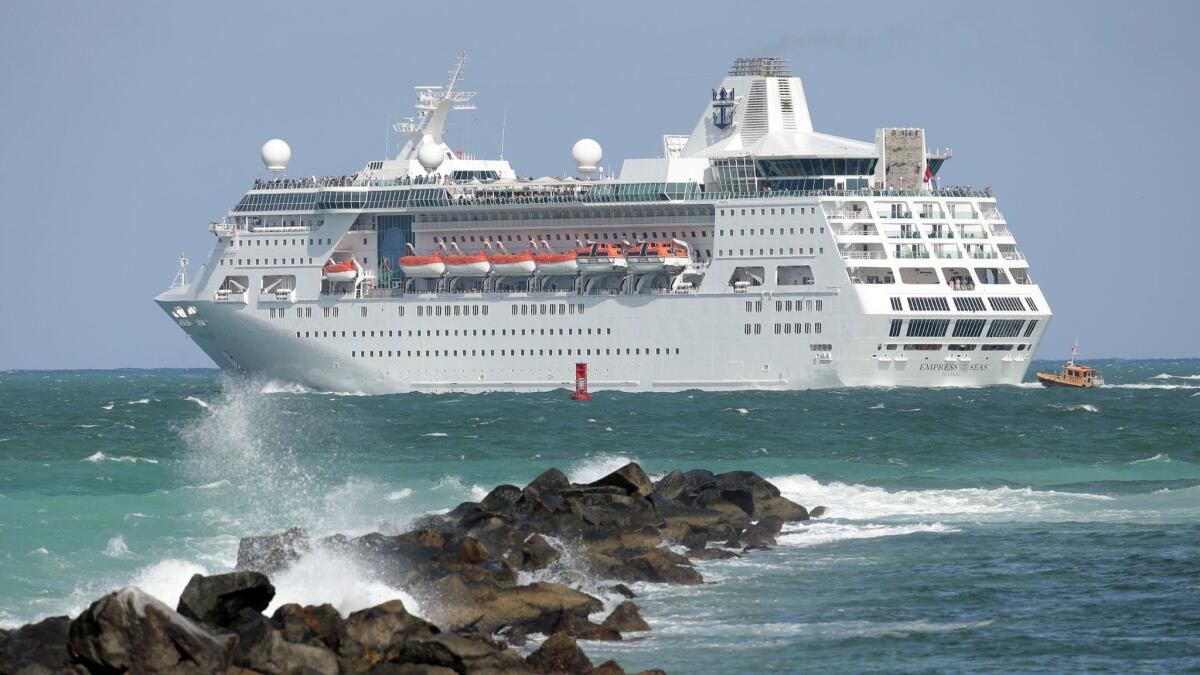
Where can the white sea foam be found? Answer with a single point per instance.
(864, 502)
(1156, 458)
(197, 401)
(325, 577)
(1168, 376)
(436, 434)
(285, 387)
(108, 406)
(99, 456)
(877, 406)
(140, 401)
(596, 466)
(816, 533)
(1085, 407)
(209, 486)
(86, 426)
(116, 547)
(166, 579)
(398, 495)
(1146, 385)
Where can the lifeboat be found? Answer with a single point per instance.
(507, 264)
(472, 265)
(598, 258)
(551, 263)
(657, 256)
(423, 266)
(347, 270)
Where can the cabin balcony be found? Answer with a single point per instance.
(857, 230)
(947, 251)
(991, 214)
(978, 254)
(998, 230)
(862, 252)
(850, 211)
(911, 251)
(907, 232)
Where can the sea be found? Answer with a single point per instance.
(1005, 528)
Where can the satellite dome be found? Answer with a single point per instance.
(276, 154)
(430, 156)
(587, 155)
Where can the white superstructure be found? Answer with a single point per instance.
(755, 253)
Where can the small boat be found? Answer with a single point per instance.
(468, 265)
(1072, 375)
(551, 263)
(422, 266)
(597, 258)
(657, 256)
(505, 264)
(347, 270)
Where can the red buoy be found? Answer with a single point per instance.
(581, 392)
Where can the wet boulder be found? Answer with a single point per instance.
(270, 553)
(558, 654)
(631, 478)
(711, 554)
(537, 553)
(316, 626)
(625, 618)
(128, 630)
(378, 633)
(459, 654)
(817, 512)
(658, 565)
(218, 600)
(262, 648)
(671, 486)
(37, 648)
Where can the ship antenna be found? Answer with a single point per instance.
(503, 128)
(1074, 352)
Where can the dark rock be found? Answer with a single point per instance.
(762, 534)
(625, 618)
(129, 630)
(262, 648)
(378, 629)
(461, 654)
(472, 552)
(609, 667)
(659, 566)
(630, 478)
(558, 654)
(711, 554)
(550, 481)
(582, 628)
(622, 589)
(817, 512)
(537, 553)
(536, 608)
(219, 599)
(695, 539)
(37, 648)
(270, 553)
(314, 626)
(501, 499)
(671, 486)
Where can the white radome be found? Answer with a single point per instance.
(430, 156)
(276, 154)
(587, 155)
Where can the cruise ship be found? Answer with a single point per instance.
(754, 253)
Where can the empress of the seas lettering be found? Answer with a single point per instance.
(953, 367)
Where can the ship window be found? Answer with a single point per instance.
(1032, 325)
(894, 331)
(747, 327)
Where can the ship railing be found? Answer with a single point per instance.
(960, 286)
(1013, 255)
(1000, 230)
(864, 255)
(949, 254)
(992, 215)
(940, 235)
(983, 255)
(912, 254)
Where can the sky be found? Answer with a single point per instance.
(126, 127)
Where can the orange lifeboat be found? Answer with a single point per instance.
(472, 265)
(347, 270)
(422, 266)
(551, 263)
(657, 256)
(598, 258)
(506, 264)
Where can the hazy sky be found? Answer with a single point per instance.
(126, 127)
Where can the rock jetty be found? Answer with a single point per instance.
(467, 563)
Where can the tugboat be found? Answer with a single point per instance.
(1072, 375)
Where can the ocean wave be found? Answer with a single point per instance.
(1085, 407)
(816, 533)
(1157, 458)
(1168, 376)
(197, 401)
(99, 456)
(436, 434)
(864, 502)
(116, 547)
(596, 466)
(209, 486)
(323, 576)
(398, 495)
(453, 482)
(1147, 385)
(108, 406)
(285, 387)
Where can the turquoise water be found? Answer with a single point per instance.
(1003, 528)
